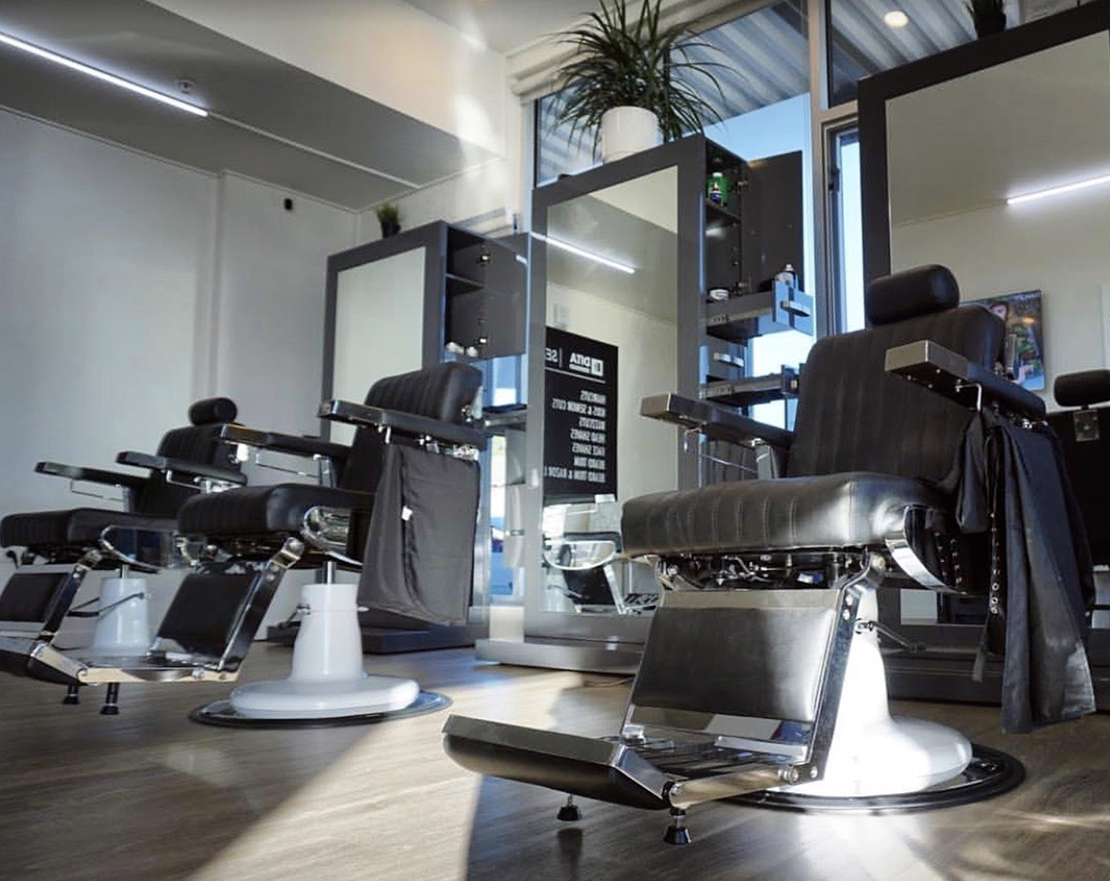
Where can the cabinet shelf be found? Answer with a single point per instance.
(719, 216)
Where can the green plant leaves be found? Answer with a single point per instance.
(625, 61)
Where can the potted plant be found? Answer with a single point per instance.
(631, 80)
(989, 16)
(389, 216)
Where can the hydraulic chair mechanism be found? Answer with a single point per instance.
(405, 501)
(60, 548)
(762, 678)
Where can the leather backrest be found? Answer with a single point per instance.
(199, 442)
(1082, 389)
(440, 392)
(853, 416)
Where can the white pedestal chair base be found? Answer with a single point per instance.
(327, 685)
(123, 623)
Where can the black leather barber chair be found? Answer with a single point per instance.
(58, 549)
(405, 501)
(1085, 443)
(762, 676)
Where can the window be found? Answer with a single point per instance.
(861, 42)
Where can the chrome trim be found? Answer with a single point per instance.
(266, 579)
(164, 544)
(684, 794)
(900, 546)
(836, 666)
(326, 529)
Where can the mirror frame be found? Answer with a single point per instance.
(875, 91)
(688, 155)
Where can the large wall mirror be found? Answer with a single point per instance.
(606, 279)
(946, 145)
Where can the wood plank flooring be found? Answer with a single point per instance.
(152, 795)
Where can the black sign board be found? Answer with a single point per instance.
(580, 417)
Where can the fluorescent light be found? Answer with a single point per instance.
(574, 249)
(896, 18)
(101, 75)
(1055, 191)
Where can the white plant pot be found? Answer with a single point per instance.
(628, 130)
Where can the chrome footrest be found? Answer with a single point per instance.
(655, 775)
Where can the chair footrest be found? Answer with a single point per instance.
(585, 766)
(655, 775)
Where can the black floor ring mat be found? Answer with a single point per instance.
(222, 713)
(990, 773)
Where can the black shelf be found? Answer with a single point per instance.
(718, 216)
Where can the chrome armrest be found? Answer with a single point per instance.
(184, 472)
(753, 390)
(716, 423)
(952, 375)
(294, 445)
(407, 423)
(91, 475)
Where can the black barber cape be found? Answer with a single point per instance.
(419, 557)
(1040, 620)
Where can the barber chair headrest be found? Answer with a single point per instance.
(1083, 388)
(211, 410)
(911, 293)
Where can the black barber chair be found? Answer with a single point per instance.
(405, 501)
(138, 539)
(762, 676)
(1084, 438)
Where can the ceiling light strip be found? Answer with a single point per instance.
(1056, 191)
(597, 258)
(297, 145)
(101, 75)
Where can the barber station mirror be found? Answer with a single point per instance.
(610, 340)
(604, 332)
(951, 146)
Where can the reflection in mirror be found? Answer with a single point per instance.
(583, 564)
(379, 326)
(958, 150)
(617, 284)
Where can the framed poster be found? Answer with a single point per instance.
(1024, 350)
(580, 417)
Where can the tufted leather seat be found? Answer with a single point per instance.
(264, 510)
(441, 392)
(77, 526)
(866, 445)
(855, 509)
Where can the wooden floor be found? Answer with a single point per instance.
(152, 795)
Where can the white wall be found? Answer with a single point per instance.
(1055, 245)
(116, 270)
(270, 301)
(102, 255)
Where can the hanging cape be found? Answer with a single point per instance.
(1040, 610)
(419, 554)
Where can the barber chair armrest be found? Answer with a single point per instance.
(182, 468)
(91, 475)
(958, 379)
(715, 422)
(408, 423)
(292, 444)
(753, 390)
